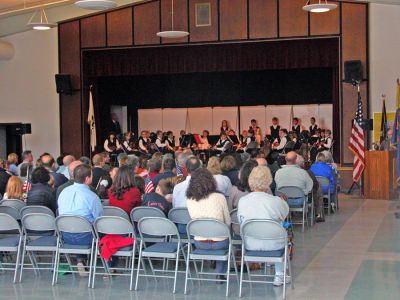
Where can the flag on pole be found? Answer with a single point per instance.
(398, 93)
(396, 138)
(384, 126)
(148, 185)
(91, 122)
(357, 142)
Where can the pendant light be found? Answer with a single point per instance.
(96, 4)
(39, 21)
(172, 34)
(320, 7)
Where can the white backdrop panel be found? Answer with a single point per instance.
(200, 118)
(174, 119)
(282, 112)
(247, 113)
(150, 119)
(304, 113)
(225, 113)
(325, 119)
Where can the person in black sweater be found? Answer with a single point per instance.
(99, 172)
(41, 193)
(161, 198)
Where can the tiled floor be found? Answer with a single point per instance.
(354, 255)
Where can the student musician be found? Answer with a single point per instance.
(128, 145)
(296, 126)
(204, 145)
(184, 140)
(170, 141)
(144, 142)
(111, 144)
(250, 142)
(326, 142)
(274, 130)
(223, 144)
(283, 136)
(225, 126)
(313, 127)
(256, 130)
(161, 146)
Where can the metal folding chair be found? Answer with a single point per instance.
(33, 224)
(115, 225)
(156, 226)
(36, 209)
(141, 212)
(296, 192)
(18, 204)
(12, 211)
(76, 225)
(115, 212)
(209, 229)
(264, 231)
(324, 182)
(181, 217)
(11, 242)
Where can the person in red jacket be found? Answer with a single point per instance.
(124, 192)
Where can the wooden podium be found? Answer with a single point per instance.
(380, 175)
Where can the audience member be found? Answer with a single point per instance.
(224, 185)
(242, 186)
(27, 158)
(154, 167)
(49, 164)
(85, 160)
(41, 193)
(168, 164)
(140, 183)
(4, 176)
(259, 204)
(66, 161)
(203, 201)
(98, 172)
(12, 160)
(25, 172)
(14, 189)
(161, 198)
(229, 168)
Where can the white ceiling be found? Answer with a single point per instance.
(19, 5)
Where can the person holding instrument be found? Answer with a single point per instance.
(111, 144)
(256, 130)
(225, 126)
(274, 130)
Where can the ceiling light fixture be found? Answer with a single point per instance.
(320, 7)
(39, 21)
(172, 34)
(96, 4)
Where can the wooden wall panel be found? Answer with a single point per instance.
(325, 23)
(93, 31)
(203, 33)
(146, 19)
(354, 34)
(263, 19)
(293, 20)
(233, 19)
(69, 52)
(180, 19)
(71, 124)
(119, 27)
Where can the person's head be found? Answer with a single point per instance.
(275, 121)
(159, 133)
(67, 160)
(244, 174)
(133, 161)
(261, 161)
(98, 160)
(143, 134)
(224, 124)
(14, 188)
(111, 136)
(328, 133)
(223, 136)
(260, 179)
(59, 160)
(244, 133)
(157, 155)
(201, 185)
(72, 167)
(114, 117)
(12, 158)
(328, 157)
(48, 162)
(321, 157)
(253, 122)
(295, 121)
(206, 133)
(164, 187)
(291, 158)
(83, 174)
(214, 166)
(27, 156)
(168, 164)
(300, 161)
(312, 120)
(170, 135)
(283, 132)
(154, 165)
(85, 160)
(113, 173)
(38, 163)
(123, 181)
(25, 170)
(192, 164)
(140, 183)
(228, 163)
(127, 135)
(40, 175)
(323, 133)
(182, 132)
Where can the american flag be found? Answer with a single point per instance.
(26, 186)
(357, 142)
(148, 187)
(178, 170)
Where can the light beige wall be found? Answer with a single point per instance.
(27, 89)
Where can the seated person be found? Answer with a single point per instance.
(41, 192)
(49, 163)
(168, 165)
(161, 198)
(98, 171)
(223, 144)
(224, 184)
(279, 146)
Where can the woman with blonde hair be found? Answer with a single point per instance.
(14, 189)
(12, 161)
(224, 184)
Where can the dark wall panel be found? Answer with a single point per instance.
(233, 22)
(203, 33)
(93, 31)
(147, 23)
(119, 27)
(263, 19)
(293, 20)
(180, 18)
(326, 23)
(71, 124)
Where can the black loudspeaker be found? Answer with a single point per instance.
(63, 84)
(26, 128)
(19, 129)
(352, 71)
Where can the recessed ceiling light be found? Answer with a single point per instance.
(96, 4)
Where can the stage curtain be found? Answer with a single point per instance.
(282, 112)
(174, 119)
(199, 118)
(325, 114)
(225, 113)
(150, 119)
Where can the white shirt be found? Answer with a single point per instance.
(224, 184)
(328, 143)
(141, 146)
(110, 150)
(126, 145)
(179, 193)
(282, 143)
(160, 144)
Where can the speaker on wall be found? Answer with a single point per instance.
(26, 128)
(352, 71)
(63, 84)
(19, 129)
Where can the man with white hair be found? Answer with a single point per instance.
(66, 161)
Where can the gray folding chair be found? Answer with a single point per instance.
(264, 231)
(156, 226)
(141, 212)
(36, 209)
(209, 229)
(235, 226)
(74, 225)
(115, 212)
(32, 225)
(296, 192)
(11, 242)
(12, 211)
(181, 217)
(18, 204)
(105, 202)
(115, 225)
(324, 182)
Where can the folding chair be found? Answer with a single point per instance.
(156, 226)
(12, 211)
(11, 242)
(141, 212)
(18, 204)
(72, 224)
(324, 182)
(264, 231)
(180, 216)
(115, 212)
(32, 225)
(115, 225)
(209, 229)
(296, 192)
(36, 209)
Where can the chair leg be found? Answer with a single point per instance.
(228, 270)
(17, 260)
(55, 266)
(132, 267)
(138, 269)
(187, 269)
(284, 272)
(22, 263)
(241, 273)
(176, 268)
(92, 264)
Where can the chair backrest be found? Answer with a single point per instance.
(18, 204)
(105, 202)
(208, 228)
(234, 216)
(33, 209)
(179, 215)
(8, 223)
(157, 226)
(113, 225)
(38, 222)
(323, 181)
(115, 211)
(143, 211)
(12, 211)
(73, 224)
(262, 229)
(290, 192)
